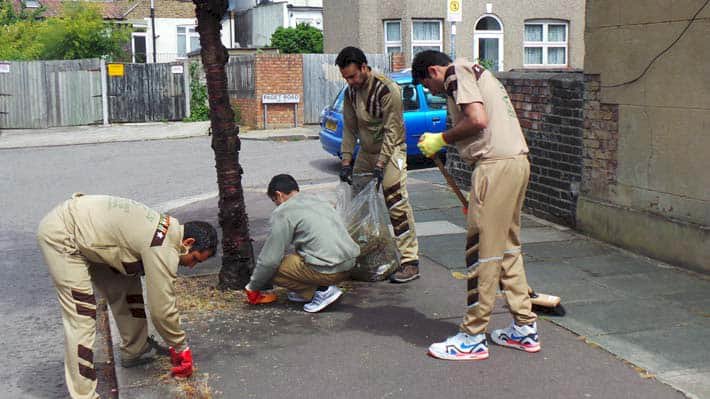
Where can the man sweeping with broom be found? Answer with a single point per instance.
(487, 135)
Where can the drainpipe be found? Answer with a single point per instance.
(152, 29)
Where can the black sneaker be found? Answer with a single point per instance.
(407, 272)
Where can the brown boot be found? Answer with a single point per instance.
(407, 272)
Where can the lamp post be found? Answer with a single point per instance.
(152, 27)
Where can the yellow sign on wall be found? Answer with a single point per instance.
(453, 11)
(116, 70)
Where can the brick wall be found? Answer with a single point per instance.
(550, 110)
(273, 74)
(601, 138)
(397, 62)
(279, 74)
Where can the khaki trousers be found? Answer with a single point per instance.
(295, 275)
(394, 188)
(493, 242)
(73, 277)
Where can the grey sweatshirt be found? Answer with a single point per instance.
(317, 233)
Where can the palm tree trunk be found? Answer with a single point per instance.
(238, 259)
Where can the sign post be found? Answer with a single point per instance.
(454, 14)
(294, 99)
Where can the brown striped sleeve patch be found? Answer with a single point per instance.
(160, 231)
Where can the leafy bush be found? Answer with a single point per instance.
(301, 39)
(199, 109)
(78, 32)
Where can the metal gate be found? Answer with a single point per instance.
(322, 81)
(42, 94)
(147, 93)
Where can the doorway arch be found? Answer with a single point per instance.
(488, 41)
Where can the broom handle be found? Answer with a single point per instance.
(450, 180)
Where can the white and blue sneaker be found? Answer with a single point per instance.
(295, 297)
(461, 346)
(321, 299)
(519, 337)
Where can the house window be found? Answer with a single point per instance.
(139, 48)
(393, 37)
(488, 42)
(426, 35)
(187, 40)
(546, 43)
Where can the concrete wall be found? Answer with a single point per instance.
(652, 194)
(360, 23)
(256, 25)
(313, 17)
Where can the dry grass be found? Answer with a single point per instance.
(198, 294)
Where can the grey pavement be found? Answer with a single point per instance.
(634, 328)
(72, 135)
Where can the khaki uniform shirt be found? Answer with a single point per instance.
(373, 114)
(466, 83)
(134, 240)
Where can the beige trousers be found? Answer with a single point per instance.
(493, 242)
(394, 188)
(295, 275)
(73, 277)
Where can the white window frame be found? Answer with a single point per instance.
(489, 34)
(428, 43)
(546, 44)
(393, 43)
(188, 35)
(133, 45)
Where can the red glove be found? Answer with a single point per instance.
(257, 297)
(182, 363)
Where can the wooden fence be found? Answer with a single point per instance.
(322, 81)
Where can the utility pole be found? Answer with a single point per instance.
(453, 14)
(453, 41)
(152, 27)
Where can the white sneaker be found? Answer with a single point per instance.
(294, 297)
(322, 299)
(461, 346)
(519, 337)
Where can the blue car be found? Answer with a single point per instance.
(423, 112)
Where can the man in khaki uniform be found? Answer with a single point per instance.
(109, 243)
(372, 114)
(325, 253)
(488, 136)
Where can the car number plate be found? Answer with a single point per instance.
(331, 125)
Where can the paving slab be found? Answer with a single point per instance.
(558, 250)
(433, 199)
(655, 283)
(624, 316)
(694, 383)
(446, 250)
(544, 234)
(612, 264)
(669, 349)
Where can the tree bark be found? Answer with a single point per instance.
(238, 258)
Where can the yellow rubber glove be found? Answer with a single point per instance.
(430, 143)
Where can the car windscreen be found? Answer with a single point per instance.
(338, 103)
